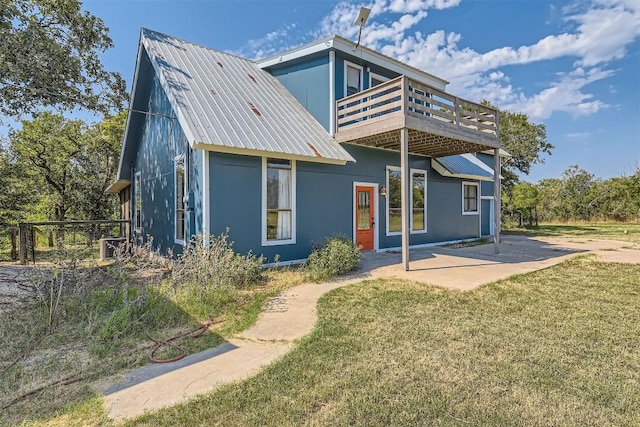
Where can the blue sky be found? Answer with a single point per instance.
(571, 65)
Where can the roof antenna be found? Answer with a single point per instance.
(361, 19)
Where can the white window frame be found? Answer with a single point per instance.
(477, 185)
(411, 172)
(177, 161)
(377, 77)
(348, 64)
(137, 201)
(263, 215)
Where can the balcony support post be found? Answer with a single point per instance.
(405, 184)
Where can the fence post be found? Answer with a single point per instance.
(14, 248)
(23, 243)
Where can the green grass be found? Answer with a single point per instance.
(555, 347)
(597, 230)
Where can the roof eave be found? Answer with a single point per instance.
(118, 186)
(264, 153)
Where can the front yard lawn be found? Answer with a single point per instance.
(554, 347)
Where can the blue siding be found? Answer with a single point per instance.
(324, 202)
(486, 186)
(161, 139)
(308, 82)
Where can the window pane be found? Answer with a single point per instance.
(394, 201)
(418, 185)
(278, 225)
(364, 210)
(470, 198)
(354, 85)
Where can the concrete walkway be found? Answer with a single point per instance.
(292, 314)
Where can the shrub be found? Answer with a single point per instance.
(336, 256)
(216, 264)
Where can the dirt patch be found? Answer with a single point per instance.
(13, 286)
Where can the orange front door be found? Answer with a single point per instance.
(365, 221)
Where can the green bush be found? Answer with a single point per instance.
(335, 256)
(216, 265)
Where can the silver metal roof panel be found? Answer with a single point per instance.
(229, 104)
(462, 166)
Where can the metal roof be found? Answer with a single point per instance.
(462, 166)
(229, 104)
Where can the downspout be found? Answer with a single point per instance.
(332, 92)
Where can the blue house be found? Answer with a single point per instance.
(324, 139)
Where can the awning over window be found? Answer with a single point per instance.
(465, 166)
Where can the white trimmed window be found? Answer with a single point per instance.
(418, 220)
(278, 201)
(179, 190)
(376, 79)
(352, 78)
(137, 200)
(470, 203)
(418, 201)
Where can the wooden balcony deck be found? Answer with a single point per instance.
(438, 124)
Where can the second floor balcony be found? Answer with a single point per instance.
(439, 124)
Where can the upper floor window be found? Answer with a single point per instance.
(376, 79)
(353, 78)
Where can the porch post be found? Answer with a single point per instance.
(498, 203)
(405, 199)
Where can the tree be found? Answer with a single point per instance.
(525, 201)
(15, 194)
(96, 168)
(524, 140)
(575, 195)
(49, 145)
(51, 57)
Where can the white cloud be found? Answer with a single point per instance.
(578, 135)
(595, 34)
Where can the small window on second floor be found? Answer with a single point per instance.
(353, 77)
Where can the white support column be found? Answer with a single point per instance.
(405, 184)
(497, 202)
